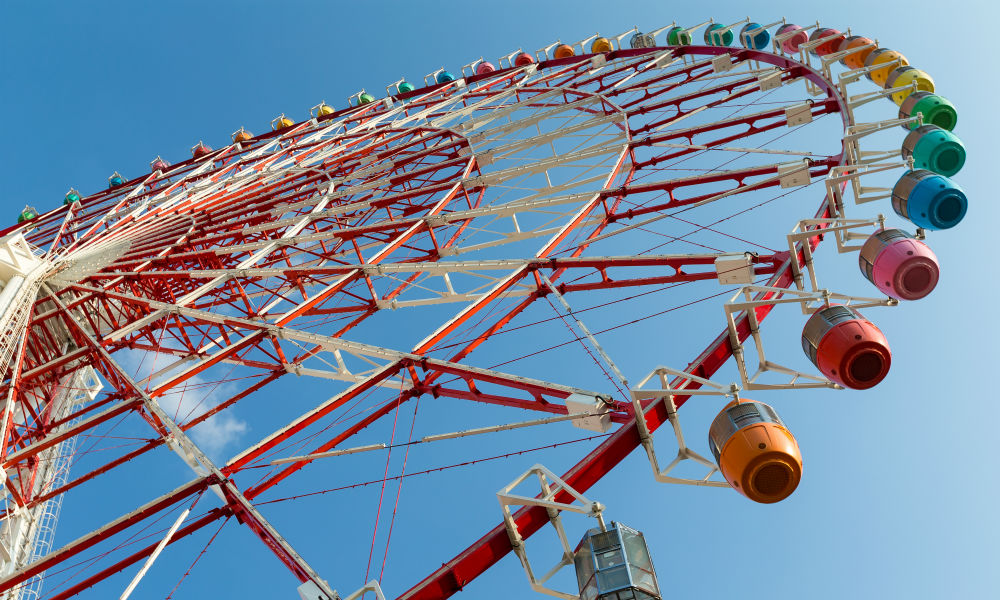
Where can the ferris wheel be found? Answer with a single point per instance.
(428, 256)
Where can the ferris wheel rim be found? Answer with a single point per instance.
(781, 274)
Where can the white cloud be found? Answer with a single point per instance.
(218, 431)
(190, 400)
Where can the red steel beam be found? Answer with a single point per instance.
(713, 357)
(95, 537)
(453, 575)
(123, 564)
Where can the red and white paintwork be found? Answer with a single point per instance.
(222, 256)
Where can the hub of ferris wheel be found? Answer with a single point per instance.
(752, 450)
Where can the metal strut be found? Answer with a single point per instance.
(193, 456)
(586, 332)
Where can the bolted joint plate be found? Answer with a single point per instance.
(310, 591)
(583, 403)
(734, 269)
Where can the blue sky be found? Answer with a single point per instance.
(899, 488)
